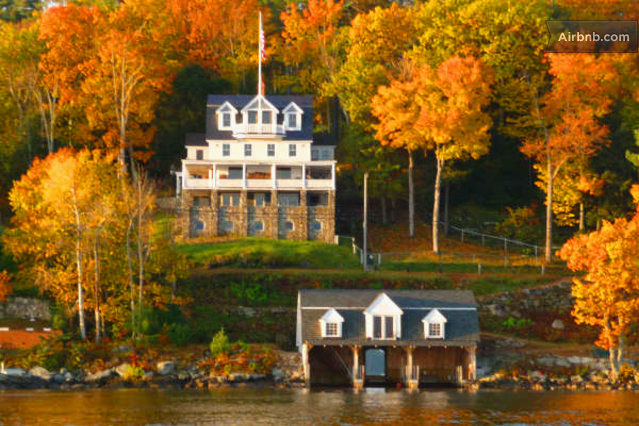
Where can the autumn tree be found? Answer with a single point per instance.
(73, 215)
(451, 117)
(5, 285)
(376, 43)
(567, 119)
(607, 296)
(397, 111)
(310, 41)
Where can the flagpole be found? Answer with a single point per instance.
(259, 56)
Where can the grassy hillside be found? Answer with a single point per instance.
(262, 252)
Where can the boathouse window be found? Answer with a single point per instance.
(434, 330)
(383, 327)
(331, 329)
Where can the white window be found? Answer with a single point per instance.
(383, 327)
(292, 150)
(314, 154)
(331, 324)
(332, 329)
(248, 148)
(252, 117)
(199, 154)
(271, 150)
(326, 154)
(226, 150)
(225, 116)
(266, 117)
(292, 121)
(434, 325)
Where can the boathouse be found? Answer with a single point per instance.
(386, 337)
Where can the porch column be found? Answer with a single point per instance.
(244, 175)
(412, 380)
(273, 180)
(358, 377)
(214, 175)
(472, 363)
(183, 176)
(303, 175)
(307, 368)
(333, 175)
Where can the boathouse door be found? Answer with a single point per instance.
(375, 360)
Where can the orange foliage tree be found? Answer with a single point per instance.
(567, 119)
(310, 41)
(452, 118)
(607, 296)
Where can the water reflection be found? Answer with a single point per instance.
(268, 406)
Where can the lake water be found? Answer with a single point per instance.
(300, 406)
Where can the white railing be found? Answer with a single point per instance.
(257, 129)
(319, 183)
(197, 183)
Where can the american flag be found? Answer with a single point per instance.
(262, 42)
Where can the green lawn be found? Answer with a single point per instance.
(262, 252)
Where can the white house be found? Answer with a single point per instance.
(259, 170)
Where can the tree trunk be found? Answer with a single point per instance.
(549, 194)
(438, 183)
(79, 268)
(446, 202)
(384, 213)
(130, 272)
(96, 288)
(393, 207)
(582, 217)
(411, 195)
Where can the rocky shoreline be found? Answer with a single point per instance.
(165, 376)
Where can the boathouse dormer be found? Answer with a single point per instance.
(383, 319)
(331, 324)
(434, 325)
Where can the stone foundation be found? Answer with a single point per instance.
(201, 215)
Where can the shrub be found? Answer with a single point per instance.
(180, 334)
(220, 343)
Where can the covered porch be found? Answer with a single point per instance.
(411, 366)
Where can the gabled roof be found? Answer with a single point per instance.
(292, 107)
(332, 316)
(227, 107)
(259, 101)
(383, 305)
(435, 316)
(458, 308)
(278, 101)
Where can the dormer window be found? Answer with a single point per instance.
(331, 324)
(434, 325)
(260, 116)
(292, 120)
(383, 319)
(225, 115)
(293, 117)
